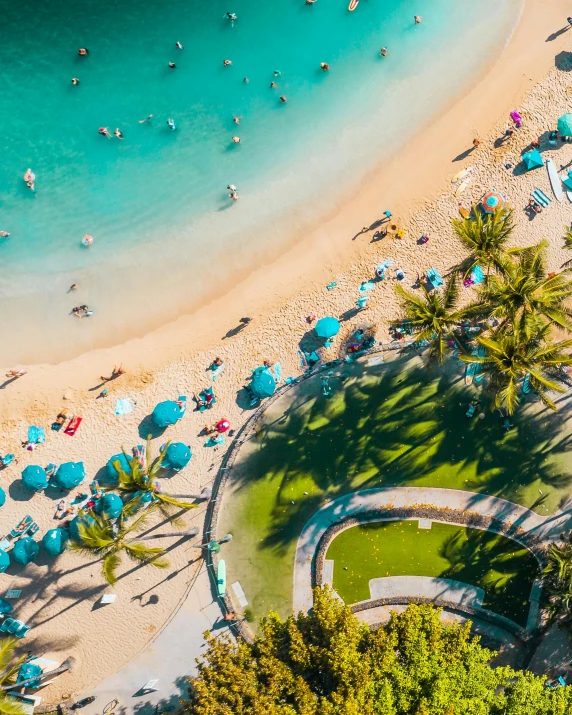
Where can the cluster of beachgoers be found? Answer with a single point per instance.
(64, 429)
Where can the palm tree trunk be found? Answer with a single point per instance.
(66, 665)
(190, 533)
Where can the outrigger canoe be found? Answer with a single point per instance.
(353, 4)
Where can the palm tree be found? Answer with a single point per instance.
(485, 238)
(558, 578)
(110, 540)
(514, 353)
(8, 673)
(433, 315)
(567, 244)
(526, 291)
(144, 480)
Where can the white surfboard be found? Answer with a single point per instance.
(462, 174)
(462, 186)
(554, 179)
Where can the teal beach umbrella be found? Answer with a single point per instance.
(166, 413)
(109, 506)
(533, 159)
(34, 478)
(25, 550)
(70, 475)
(2, 497)
(5, 607)
(327, 327)
(177, 456)
(112, 473)
(4, 561)
(564, 125)
(81, 518)
(27, 671)
(263, 383)
(54, 541)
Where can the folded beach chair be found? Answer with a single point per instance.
(434, 278)
(22, 527)
(362, 302)
(14, 627)
(540, 197)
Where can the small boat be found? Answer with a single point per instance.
(221, 578)
(353, 4)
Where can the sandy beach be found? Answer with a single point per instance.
(533, 75)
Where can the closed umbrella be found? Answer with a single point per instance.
(327, 327)
(70, 475)
(2, 497)
(54, 541)
(34, 478)
(533, 159)
(109, 506)
(565, 125)
(25, 550)
(493, 201)
(4, 561)
(166, 413)
(112, 473)
(177, 456)
(263, 383)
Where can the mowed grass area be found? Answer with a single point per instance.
(500, 566)
(397, 424)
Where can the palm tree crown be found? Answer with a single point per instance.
(8, 674)
(485, 238)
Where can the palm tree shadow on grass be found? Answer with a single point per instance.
(395, 427)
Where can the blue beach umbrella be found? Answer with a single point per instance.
(4, 560)
(565, 125)
(166, 413)
(34, 478)
(327, 327)
(54, 541)
(27, 671)
(109, 506)
(177, 456)
(533, 159)
(5, 607)
(81, 518)
(143, 498)
(112, 473)
(2, 497)
(25, 550)
(263, 383)
(70, 475)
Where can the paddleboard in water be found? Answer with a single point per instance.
(462, 174)
(353, 4)
(554, 179)
(462, 186)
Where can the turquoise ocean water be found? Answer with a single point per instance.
(165, 231)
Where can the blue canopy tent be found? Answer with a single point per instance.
(70, 475)
(2, 497)
(54, 541)
(533, 159)
(34, 478)
(166, 413)
(564, 125)
(27, 671)
(81, 518)
(4, 560)
(177, 456)
(5, 607)
(109, 506)
(327, 327)
(25, 550)
(263, 382)
(112, 473)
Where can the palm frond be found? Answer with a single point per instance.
(109, 567)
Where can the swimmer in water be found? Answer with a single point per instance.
(236, 120)
(232, 17)
(83, 52)
(178, 44)
(171, 124)
(227, 63)
(236, 140)
(118, 133)
(246, 80)
(4, 234)
(272, 85)
(325, 66)
(283, 99)
(104, 131)
(172, 65)
(233, 195)
(383, 51)
(277, 73)
(75, 81)
(232, 187)
(143, 121)
(417, 19)
(30, 179)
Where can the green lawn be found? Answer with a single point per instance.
(392, 425)
(500, 566)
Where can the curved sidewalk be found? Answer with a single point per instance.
(361, 502)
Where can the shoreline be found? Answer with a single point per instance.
(172, 360)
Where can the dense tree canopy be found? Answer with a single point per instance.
(328, 663)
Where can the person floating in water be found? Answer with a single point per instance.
(233, 195)
(4, 234)
(118, 133)
(272, 85)
(75, 81)
(232, 187)
(236, 120)
(236, 140)
(179, 45)
(104, 131)
(30, 179)
(143, 121)
(227, 63)
(171, 124)
(283, 98)
(232, 17)
(277, 73)
(417, 19)
(246, 80)
(325, 66)
(172, 65)
(83, 52)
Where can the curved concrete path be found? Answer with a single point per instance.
(446, 589)
(357, 503)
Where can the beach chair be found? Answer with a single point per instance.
(149, 686)
(540, 197)
(21, 528)
(561, 681)
(14, 627)
(32, 529)
(183, 406)
(5, 461)
(434, 278)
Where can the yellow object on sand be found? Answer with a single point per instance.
(464, 212)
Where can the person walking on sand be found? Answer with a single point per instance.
(15, 373)
(476, 142)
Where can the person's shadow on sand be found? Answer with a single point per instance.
(557, 34)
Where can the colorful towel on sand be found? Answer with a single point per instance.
(36, 435)
(123, 406)
(73, 425)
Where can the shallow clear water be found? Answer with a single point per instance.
(156, 202)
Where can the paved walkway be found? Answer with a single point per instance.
(427, 587)
(357, 503)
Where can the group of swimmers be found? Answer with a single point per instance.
(82, 311)
(104, 131)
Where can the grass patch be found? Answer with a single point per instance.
(500, 566)
(393, 425)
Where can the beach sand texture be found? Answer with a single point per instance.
(58, 597)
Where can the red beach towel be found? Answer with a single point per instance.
(74, 423)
